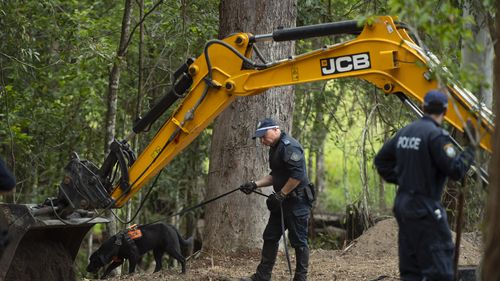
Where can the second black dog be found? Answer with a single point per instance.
(159, 237)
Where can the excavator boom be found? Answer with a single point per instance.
(382, 53)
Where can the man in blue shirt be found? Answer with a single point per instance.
(292, 194)
(419, 159)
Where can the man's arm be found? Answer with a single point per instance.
(264, 181)
(385, 162)
(295, 164)
(289, 186)
(250, 186)
(451, 163)
(276, 199)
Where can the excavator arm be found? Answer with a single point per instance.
(383, 54)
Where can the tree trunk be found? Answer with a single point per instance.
(345, 174)
(365, 210)
(481, 60)
(193, 172)
(320, 168)
(237, 221)
(381, 183)
(114, 80)
(320, 135)
(114, 77)
(491, 258)
(310, 171)
(140, 78)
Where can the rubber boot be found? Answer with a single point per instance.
(302, 256)
(265, 267)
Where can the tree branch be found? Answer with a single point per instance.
(139, 23)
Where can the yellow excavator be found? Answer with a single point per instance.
(383, 52)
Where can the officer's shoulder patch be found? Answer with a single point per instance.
(286, 141)
(450, 151)
(444, 132)
(296, 156)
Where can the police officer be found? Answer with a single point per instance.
(7, 184)
(292, 195)
(7, 180)
(419, 159)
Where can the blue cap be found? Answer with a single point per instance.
(263, 126)
(436, 97)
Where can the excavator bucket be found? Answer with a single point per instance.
(41, 246)
(43, 239)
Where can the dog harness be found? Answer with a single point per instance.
(128, 236)
(134, 232)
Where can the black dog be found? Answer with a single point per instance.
(159, 237)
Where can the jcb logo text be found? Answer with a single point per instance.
(345, 63)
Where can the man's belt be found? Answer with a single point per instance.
(412, 192)
(298, 192)
(306, 191)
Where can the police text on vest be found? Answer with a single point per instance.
(408, 143)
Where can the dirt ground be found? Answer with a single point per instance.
(373, 256)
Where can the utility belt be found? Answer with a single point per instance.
(307, 191)
(425, 203)
(414, 192)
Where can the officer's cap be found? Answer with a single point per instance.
(434, 96)
(263, 126)
(435, 102)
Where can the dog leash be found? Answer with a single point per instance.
(185, 210)
(189, 209)
(284, 242)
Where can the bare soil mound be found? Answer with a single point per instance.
(381, 241)
(370, 257)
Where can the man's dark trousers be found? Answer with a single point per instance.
(296, 221)
(425, 248)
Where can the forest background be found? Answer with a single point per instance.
(57, 60)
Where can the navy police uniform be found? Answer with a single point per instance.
(419, 159)
(7, 180)
(286, 160)
(7, 183)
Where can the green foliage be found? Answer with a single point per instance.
(44, 88)
(55, 58)
(445, 31)
(345, 105)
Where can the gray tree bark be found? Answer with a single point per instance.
(237, 221)
(114, 77)
(481, 60)
(114, 81)
(491, 258)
